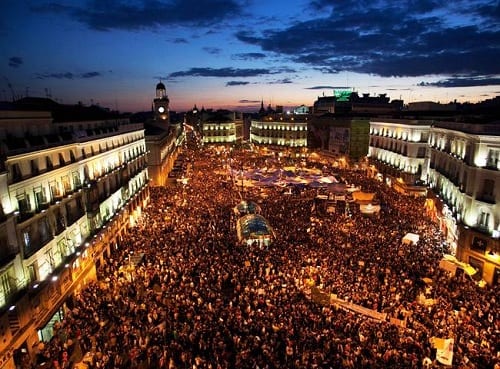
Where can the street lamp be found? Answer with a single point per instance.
(242, 171)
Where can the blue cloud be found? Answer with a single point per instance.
(222, 72)
(151, 14)
(237, 83)
(15, 61)
(390, 39)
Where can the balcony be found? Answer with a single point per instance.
(15, 291)
(36, 243)
(24, 215)
(482, 229)
(491, 166)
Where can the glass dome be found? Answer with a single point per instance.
(247, 207)
(254, 228)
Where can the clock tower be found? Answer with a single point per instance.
(160, 104)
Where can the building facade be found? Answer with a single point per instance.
(340, 137)
(398, 151)
(464, 174)
(280, 131)
(69, 190)
(460, 163)
(221, 127)
(163, 149)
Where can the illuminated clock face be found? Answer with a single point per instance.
(161, 109)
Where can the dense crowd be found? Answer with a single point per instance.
(199, 299)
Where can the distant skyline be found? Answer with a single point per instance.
(236, 53)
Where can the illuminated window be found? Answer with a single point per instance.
(483, 219)
(492, 160)
(5, 284)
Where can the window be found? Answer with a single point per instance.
(421, 152)
(463, 185)
(44, 229)
(59, 221)
(40, 198)
(62, 162)
(54, 190)
(484, 219)
(62, 250)
(478, 244)
(76, 179)
(492, 160)
(35, 236)
(16, 172)
(5, 284)
(23, 201)
(34, 167)
(66, 184)
(26, 238)
(32, 272)
(488, 186)
(48, 163)
(50, 259)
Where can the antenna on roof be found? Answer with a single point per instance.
(10, 88)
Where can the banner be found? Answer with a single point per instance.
(444, 350)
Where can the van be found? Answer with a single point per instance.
(455, 267)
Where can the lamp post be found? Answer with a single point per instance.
(242, 171)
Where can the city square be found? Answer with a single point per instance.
(197, 298)
(233, 184)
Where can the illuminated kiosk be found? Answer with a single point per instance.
(246, 207)
(254, 228)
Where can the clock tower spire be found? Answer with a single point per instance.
(160, 104)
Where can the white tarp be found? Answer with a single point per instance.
(444, 349)
(410, 238)
(369, 209)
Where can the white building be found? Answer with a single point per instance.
(223, 132)
(460, 163)
(398, 149)
(68, 191)
(464, 173)
(285, 132)
(221, 127)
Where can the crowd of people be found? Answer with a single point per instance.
(199, 299)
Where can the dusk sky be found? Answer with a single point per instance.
(233, 54)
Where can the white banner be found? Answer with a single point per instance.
(445, 354)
